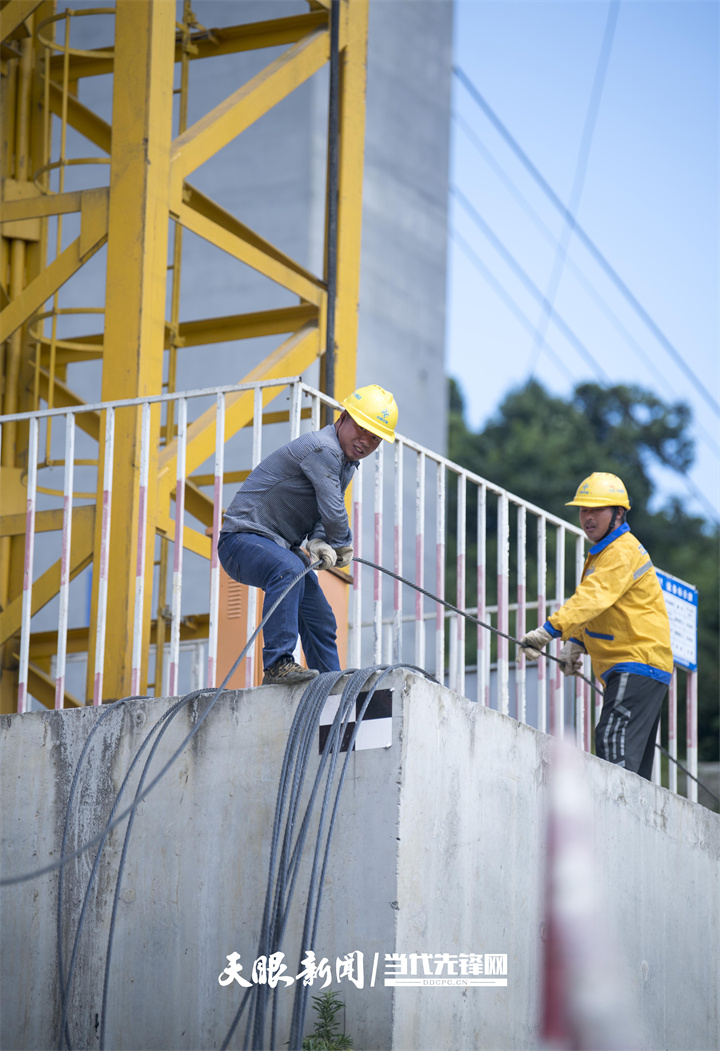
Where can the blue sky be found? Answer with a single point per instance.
(648, 200)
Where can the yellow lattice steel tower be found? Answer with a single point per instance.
(141, 214)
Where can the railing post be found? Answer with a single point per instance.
(356, 660)
(483, 636)
(691, 732)
(398, 553)
(102, 592)
(459, 670)
(520, 620)
(28, 569)
(65, 561)
(672, 731)
(420, 560)
(440, 575)
(541, 610)
(557, 723)
(214, 561)
(503, 565)
(377, 575)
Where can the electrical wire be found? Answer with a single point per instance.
(577, 273)
(281, 884)
(529, 284)
(578, 181)
(65, 858)
(585, 238)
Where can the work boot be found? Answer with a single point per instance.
(285, 672)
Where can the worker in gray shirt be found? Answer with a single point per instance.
(295, 497)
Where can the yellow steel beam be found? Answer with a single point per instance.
(250, 36)
(64, 398)
(352, 151)
(198, 333)
(41, 205)
(45, 521)
(241, 109)
(48, 585)
(208, 208)
(14, 14)
(80, 117)
(93, 235)
(291, 358)
(44, 644)
(192, 540)
(42, 688)
(134, 307)
(246, 326)
(308, 288)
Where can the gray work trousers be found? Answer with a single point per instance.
(626, 730)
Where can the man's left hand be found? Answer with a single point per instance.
(533, 642)
(344, 556)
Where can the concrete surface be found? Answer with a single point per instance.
(438, 848)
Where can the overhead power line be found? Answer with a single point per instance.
(586, 240)
(529, 284)
(579, 179)
(512, 306)
(506, 298)
(578, 274)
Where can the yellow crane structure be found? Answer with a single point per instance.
(140, 214)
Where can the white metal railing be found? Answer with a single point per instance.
(409, 478)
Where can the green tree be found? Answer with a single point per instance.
(540, 447)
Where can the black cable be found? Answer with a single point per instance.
(65, 858)
(549, 656)
(66, 982)
(467, 616)
(585, 238)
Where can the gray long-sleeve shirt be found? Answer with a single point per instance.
(296, 492)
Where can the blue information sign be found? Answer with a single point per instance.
(681, 600)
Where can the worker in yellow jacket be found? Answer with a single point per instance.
(618, 616)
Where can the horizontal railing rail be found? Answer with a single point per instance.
(450, 531)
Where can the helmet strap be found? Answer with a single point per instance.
(617, 519)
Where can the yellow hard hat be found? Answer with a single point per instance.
(374, 409)
(601, 490)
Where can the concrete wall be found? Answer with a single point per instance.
(438, 848)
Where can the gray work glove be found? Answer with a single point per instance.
(344, 556)
(570, 658)
(533, 642)
(321, 551)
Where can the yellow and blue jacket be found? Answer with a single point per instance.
(618, 611)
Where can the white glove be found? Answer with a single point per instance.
(570, 658)
(344, 556)
(320, 551)
(533, 642)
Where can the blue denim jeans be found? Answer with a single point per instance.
(253, 559)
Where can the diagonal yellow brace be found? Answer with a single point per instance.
(230, 242)
(48, 585)
(291, 358)
(93, 235)
(241, 109)
(14, 14)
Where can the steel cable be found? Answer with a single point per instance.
(511, 638)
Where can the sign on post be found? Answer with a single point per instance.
(681, 600)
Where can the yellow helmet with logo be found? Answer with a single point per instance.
(601, 490)
(374, 409)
